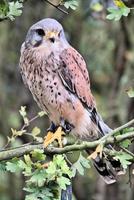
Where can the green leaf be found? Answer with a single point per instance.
(59, 159)
(16, 133)
(60, 162)
(110, 16)
(26, 169)
(42, 113)
(13, 166)
(119, 3)
(44, 183)
(28, 160)
(111, 9)
(38, 154)
(3, 9)
(22, 164)
(124, 158)
(14, 9)
(33, 196)
(125, 130)
(22, 111)
(36, 131)
(85, 162)
(44, 193)
(116, 14)
(73, 4)
(125, 11)
(79, 165)
(130, 92)
(2, 166)
(63, 182)
(51, 169)
(38, 178)
(97, 7)
(126, 143)
(38, 139)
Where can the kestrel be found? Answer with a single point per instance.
(57, 77)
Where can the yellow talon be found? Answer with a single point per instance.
(97, 151)
(54, 136)
(48, 137)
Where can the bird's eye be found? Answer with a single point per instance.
(59, 34)
(40, 32)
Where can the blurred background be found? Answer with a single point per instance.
(108, 48)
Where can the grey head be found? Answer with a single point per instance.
(45, 32)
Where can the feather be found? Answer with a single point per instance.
(74, 76)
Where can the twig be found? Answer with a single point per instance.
(23, 127)
(57, 7)
(31, 120)
(118, 129)
(127, 151)
(20, 151)
(49, 2)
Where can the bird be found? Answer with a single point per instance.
(57, 76)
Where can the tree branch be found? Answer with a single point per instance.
(57, 7)
(3, 18)
(107, 139)
(118, 129)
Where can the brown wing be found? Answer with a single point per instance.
(74, 76)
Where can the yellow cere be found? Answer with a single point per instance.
(51, 34)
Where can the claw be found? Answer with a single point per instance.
(54, 136)
(48, 137)
(97, 151)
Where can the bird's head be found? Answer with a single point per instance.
(46, 33)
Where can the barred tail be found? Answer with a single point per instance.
(104, 169)
(107, 167)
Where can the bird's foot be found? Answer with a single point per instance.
(51, 137)
(67, 127)
(98, 151)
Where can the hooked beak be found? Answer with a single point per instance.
(51, 35)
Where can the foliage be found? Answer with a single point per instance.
(73, 4)
(10, 10)
(126, 143)
(117, 13)
(38, 169)
(130, 92)
(2, 167)
(79, 165)
(97, 7)
(44, 179)
(34, 132)
(124, 158)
